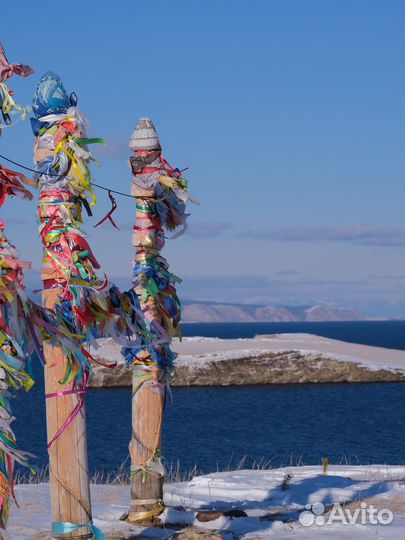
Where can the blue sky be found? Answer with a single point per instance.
(290, 115)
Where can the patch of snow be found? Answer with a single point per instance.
(271, 511)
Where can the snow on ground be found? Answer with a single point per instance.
(271, 511)
(200, 350)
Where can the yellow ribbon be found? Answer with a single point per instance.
(140, 516)
(78, 166)
(9, 104)
(27, 382)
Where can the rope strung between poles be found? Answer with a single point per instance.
(110, 190)
(170, 170)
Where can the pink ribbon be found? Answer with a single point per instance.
(8, 70)
(66, 393)
(81, 390)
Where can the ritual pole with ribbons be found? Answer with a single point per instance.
(161, 197)
(72, 289)
(23, 323)
(17, 338)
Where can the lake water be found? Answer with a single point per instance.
(213, 427)
(389, 334)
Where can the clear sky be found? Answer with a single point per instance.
(289, 113)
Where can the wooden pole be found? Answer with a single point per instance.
(160, 203)
(148, 398)
(147, 415)
(68, 269)
(70, 490)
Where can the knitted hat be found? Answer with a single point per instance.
(144, 137)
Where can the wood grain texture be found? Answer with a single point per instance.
(147, 415)
(70, 490)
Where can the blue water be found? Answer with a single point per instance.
(390, 334)
(214, 427)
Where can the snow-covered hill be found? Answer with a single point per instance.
(278, 358)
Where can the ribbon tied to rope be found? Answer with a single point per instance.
(109, 214)
(7, 70)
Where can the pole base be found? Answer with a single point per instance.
(144, 514)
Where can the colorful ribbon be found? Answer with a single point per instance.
(10, 184)
(110, 213)
(66, 527)
(81, 391)
(7, 70)
(17, 336)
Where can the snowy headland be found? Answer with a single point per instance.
(265, 359)
(300, 503)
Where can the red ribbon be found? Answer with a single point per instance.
(110, 213)
(171, 171)
(108, 365)
(166, 167)
(10, 184)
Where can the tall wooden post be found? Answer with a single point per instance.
(68, 469)
(59, 212)
(148, 396)
(80, 297)
(147, 416)
(160, 203)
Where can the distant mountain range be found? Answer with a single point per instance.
(194, 311)
(202, 311)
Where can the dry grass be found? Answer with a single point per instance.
(176, 473)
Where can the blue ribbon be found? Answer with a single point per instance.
(65, 527)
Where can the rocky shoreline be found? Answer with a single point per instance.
(214, 362)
